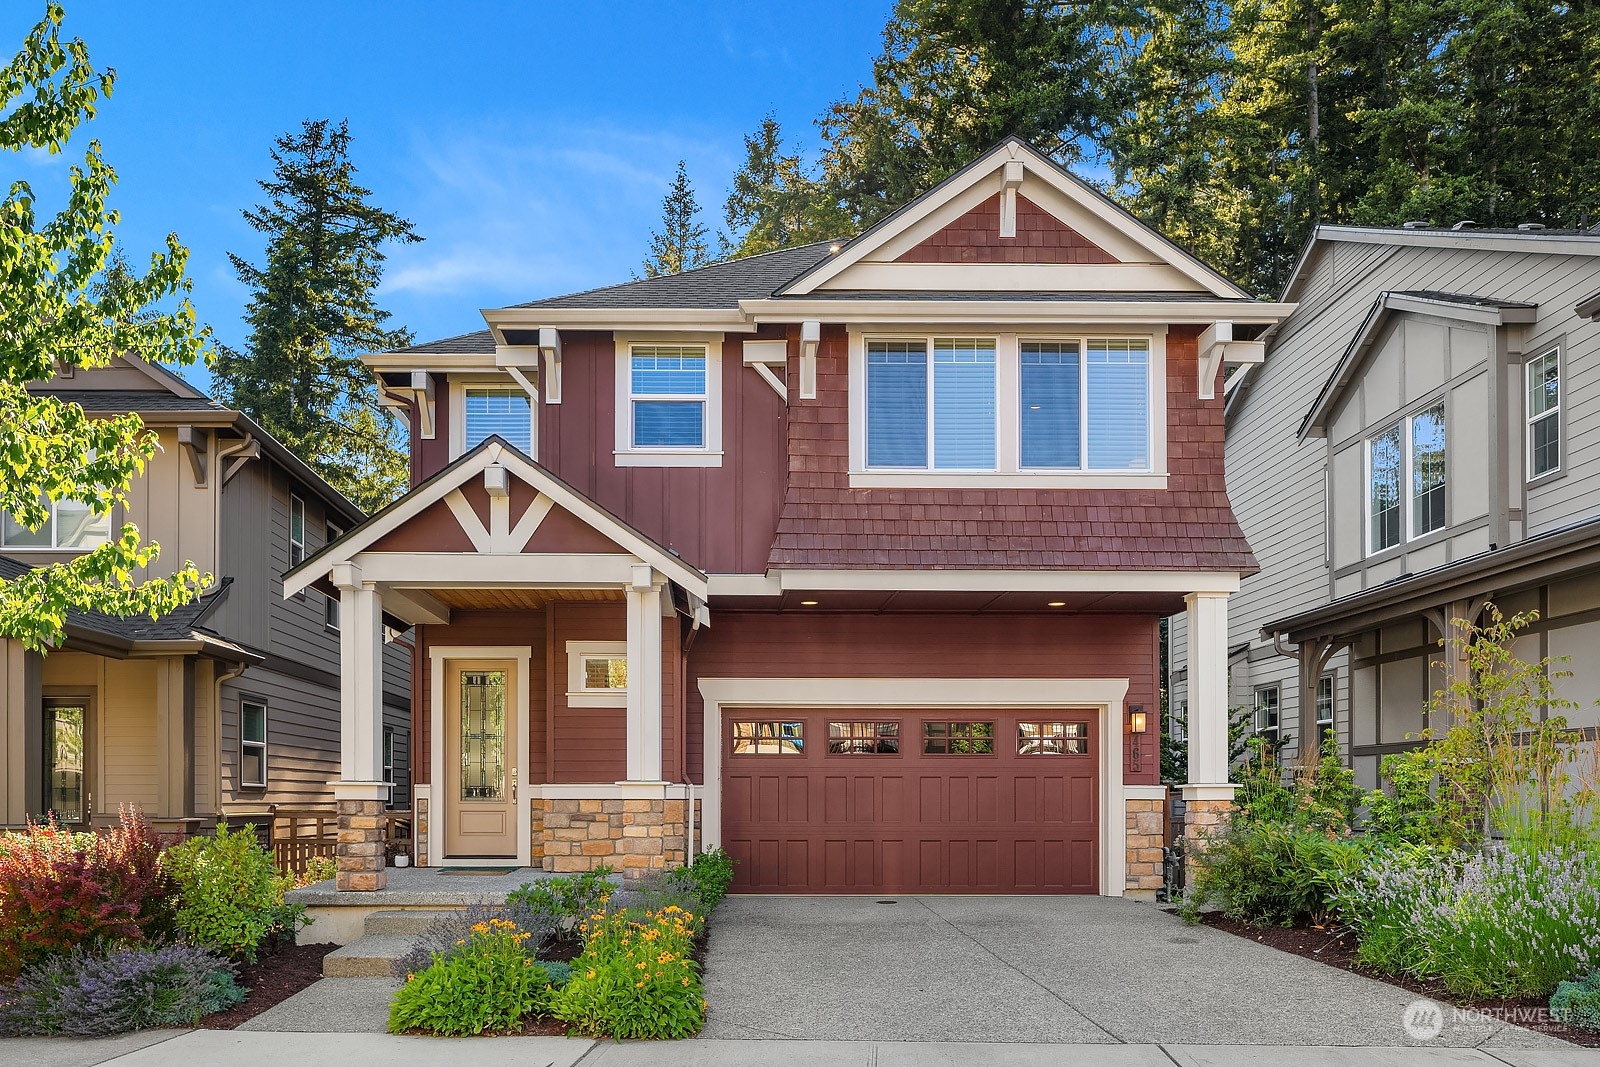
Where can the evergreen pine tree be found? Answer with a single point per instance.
(775, 203)
(680, 245)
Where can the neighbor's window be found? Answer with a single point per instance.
(497, 411)
(71, 525)
(958, 738)
(1405, 462)
(297, 531)
(1324, 707)
(330, 604)
(597, 673)
(768, 738)
(667, 396)
(1544, 414)
(388, 754)
(1267, 713)
(1052, 738)
(864, 738)
(252, 743)
(934, 404)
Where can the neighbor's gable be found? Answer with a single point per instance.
(1013, 221)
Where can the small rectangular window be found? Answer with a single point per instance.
(330, 604)
(297, 531)
(597, 674)
(769, 738)
(69, 525)
(1427, 470)
(497, 412)
(1383, 491)
(958, 738)
(252, 743)
(601, 673)
(864, 738)
(1052, 738)
(668, 394)
(1324, 707)
(388, 754)
(1267, 713)
(1544, 414)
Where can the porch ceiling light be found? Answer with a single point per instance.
(1056, 604)
(808, 603)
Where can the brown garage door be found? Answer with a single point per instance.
(908, 801)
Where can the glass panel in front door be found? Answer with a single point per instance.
(64, 755)
(483, 735)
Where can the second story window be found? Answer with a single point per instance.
(667, 396)
(70, 527)
(948, 414)
(330, 604)
(1406, 479)
(1544, 414)
(490, 411)
(297, 531)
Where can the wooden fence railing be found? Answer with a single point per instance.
(296, 836)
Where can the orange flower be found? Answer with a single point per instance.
(686, 983)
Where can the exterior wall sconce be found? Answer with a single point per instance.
(1138, 723)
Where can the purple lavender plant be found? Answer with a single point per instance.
(88, 994)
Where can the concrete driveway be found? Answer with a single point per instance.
(1040, 969)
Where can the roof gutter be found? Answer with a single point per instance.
(936, 312)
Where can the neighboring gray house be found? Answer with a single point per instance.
(226, 706)
(1423, 435)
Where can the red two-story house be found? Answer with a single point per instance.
(847, 558)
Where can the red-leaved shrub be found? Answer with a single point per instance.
(59, 890)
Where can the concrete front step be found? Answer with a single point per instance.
(409, 922)
(368, 956)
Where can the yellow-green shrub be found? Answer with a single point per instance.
(488, 982)
(634, 978)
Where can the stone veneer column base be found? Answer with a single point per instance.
(1147, 836)
(362, 827)
(631, 836)
(1206, 811)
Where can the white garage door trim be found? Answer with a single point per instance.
(1103, 694)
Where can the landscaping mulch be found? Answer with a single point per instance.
(271, 980)
(1338, 949)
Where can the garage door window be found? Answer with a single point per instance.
(864, 738)
(1052, 739)
(958, 738)
(768, 738)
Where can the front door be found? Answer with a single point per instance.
(481, 759)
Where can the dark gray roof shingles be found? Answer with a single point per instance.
(179, 625)
(131, 400)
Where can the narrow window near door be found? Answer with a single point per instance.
(1052, 739)
(1267, 721)
(1544, 414)
(483, 735)
(1324, 707)
(252, 743)
(668, 396)
(958, 738)
(64, 761)
(769, 738)
(864, 738)
(503, 412)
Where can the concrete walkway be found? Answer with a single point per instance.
(239, 1048)
(1040, 969)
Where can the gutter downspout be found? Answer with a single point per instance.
(690, 850)
(216, 709)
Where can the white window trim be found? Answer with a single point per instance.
(458, 410)
(580, 697)
(388, 754)
(1008, 472)
(266, 716)
(1529, 418)
(1275, 732)
(297, 501)
(1407, 460)
(55, 533)
(626, 455)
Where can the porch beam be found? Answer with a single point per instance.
(644, 675)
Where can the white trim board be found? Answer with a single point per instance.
(1104, 694)
(438, 655)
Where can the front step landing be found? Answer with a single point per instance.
(386, 936)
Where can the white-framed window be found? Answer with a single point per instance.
(252, 743)
(1084, 410)
(1544, 414)
(597, 674)
(1406, 479)
(1324, 708)
(669, 401)
(71, 527)
(388, 754)
(330, 604)
(297, 531)
(482, 407)
(1267, 713)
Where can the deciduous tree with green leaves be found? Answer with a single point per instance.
(681, 243)
(313, 313)
(56, 310)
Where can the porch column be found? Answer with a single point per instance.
(1208, 795)
(644, 675)
(175, 750)
(21, 733)
(360, 794)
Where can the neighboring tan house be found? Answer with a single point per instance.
(230, 704)
(848, 558)
(1423, 436)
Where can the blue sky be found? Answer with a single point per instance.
(530, 143)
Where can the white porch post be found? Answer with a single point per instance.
(644, 675)
(1208, 796)
(360, 793)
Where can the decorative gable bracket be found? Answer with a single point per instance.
(1219, 349)
(418, 393)
(1008, 197)
(762, 356)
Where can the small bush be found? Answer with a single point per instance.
(568, 899)
(1578, 1003)
(87, 994)
(488, 983)
(1268, 874)
(634, 978)
(451, 930)
(318, 869)
(1504, 922)
(712, 872)
(60, 890)
(230, 894)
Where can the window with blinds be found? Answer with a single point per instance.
(667, 394)
(503, 412)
